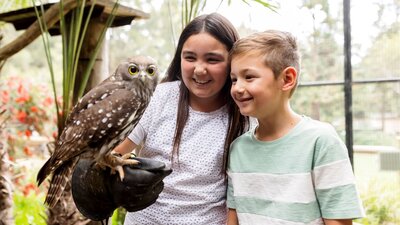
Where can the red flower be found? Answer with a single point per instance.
(48, 101)
(28, 188)
(55, 134)
(21, 116)
(27, 151)
(5, 96)
(21, 89)
(34, 109)
(28, 133)
(23, 98)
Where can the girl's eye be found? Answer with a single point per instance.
(189, 57)
(213, 60)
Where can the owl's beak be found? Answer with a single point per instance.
(142, 76)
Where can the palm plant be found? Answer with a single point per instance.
(73, 28)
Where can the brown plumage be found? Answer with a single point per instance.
(100, 121)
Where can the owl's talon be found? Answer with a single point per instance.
(126, 156)
(120, 172)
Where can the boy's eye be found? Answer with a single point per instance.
(249, 77)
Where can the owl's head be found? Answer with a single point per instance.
(143, 68)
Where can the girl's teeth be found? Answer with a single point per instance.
(201, 82)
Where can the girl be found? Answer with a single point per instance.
(189, 125)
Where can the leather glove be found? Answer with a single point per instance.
(97, 193)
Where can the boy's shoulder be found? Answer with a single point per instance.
(318, 126)
(245, 137)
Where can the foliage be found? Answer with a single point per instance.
(118, 216)
(382, 203)
(28, 198)
(29, 209)
(13, 5)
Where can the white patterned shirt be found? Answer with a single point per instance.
(195, 192)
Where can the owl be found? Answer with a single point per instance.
(100, 120)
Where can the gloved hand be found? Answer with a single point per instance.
(97, 193)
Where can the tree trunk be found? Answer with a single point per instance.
(6, 201)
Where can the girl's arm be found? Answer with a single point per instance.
(232, 217)
(338, 222)
(125, 147)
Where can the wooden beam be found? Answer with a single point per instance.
(50, 17)
(27, 19)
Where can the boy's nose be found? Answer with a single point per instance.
(238, 88)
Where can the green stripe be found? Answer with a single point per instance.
(271, 157)
(293, 153)
(339, 202)
(297, 212)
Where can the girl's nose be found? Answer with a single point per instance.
(199, 69)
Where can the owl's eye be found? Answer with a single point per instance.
(151, 70)
(133, 70)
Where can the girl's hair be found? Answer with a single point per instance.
(221, 29)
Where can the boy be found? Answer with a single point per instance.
(290, 169)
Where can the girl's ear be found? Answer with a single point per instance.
(289, 76)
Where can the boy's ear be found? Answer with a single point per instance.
(289, 76)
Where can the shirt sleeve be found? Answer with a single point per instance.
(230, 197)
(138, 134)
(334, 180)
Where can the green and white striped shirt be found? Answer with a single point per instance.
(297, 179)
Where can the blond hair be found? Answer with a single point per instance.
(278, 50)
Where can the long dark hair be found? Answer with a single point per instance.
(221, 29)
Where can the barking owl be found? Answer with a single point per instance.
(100, 121)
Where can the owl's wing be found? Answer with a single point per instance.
(100, 120)
(101, 115)
(94, 95)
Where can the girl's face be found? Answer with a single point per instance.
(204, 62)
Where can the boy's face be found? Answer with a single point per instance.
(254, 87)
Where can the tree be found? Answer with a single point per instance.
(380, 61)
(322, 60)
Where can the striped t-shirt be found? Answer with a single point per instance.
(297, 179)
